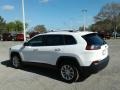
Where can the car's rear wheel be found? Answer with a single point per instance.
(69, 72)
(16, 61)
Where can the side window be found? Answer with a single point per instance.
(69, 40)
(54, 40)
(36, 41)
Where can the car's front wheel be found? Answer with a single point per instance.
(16, 61)
(69, 72)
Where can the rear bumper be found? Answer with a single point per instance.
(95, 67)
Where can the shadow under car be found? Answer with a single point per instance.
(48, 71)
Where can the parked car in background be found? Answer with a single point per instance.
(101, 34)
(107, 35)
(118, 35)
(6, 37)
(14, 36)
(104, 35)
(20, 37)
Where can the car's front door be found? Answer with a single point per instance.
(43, 49)
(30, 51)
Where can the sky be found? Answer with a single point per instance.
(54, 14)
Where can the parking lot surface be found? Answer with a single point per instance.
(39, 78)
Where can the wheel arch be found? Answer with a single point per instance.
(72, 60)
(15, 53)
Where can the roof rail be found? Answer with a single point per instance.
(64, 31)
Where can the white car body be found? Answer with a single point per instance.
(69, 51)
(50, 55)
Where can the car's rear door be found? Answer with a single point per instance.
(52, 49)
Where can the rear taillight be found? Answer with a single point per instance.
(93, 47)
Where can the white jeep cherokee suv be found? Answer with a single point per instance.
(70, 52)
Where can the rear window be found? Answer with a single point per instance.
(94, 39)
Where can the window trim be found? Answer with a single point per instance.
(44, 38)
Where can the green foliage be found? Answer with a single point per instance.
(13, 26)
(2, 24)
(10, 26)
(17, 26)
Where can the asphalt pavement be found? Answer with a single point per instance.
(40, 78)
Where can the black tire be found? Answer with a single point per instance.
(16, 61)
(69, 72)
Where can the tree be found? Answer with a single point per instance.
(16, 26)
(19, 26)
(2, 24)
(11, 26)
(110, 12)
(101, 26)
(40, 28)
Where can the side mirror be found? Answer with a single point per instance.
(26, 44)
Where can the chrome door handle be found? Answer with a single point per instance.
(57, 49)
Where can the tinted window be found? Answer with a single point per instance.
(36, 41)
(94, 39)
(69, 40)
(54, 40)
